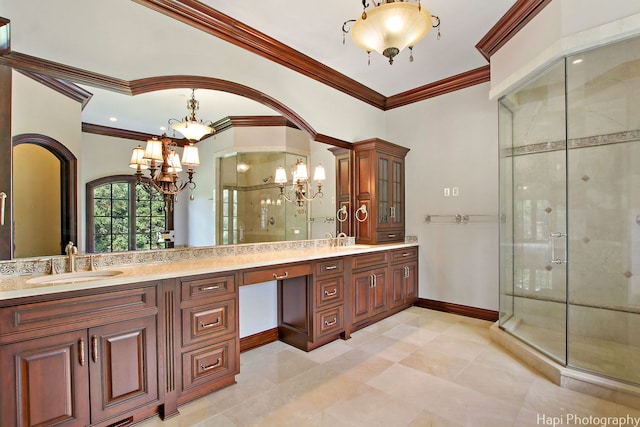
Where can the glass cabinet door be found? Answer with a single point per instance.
(383, 191)
(397, 214)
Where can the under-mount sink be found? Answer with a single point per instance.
(79, 276)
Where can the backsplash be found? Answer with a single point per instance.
(42, 265)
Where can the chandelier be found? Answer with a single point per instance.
(301, 190)
(163, 162)
(192, 128)
(390, 26)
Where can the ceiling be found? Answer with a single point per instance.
(127, 40)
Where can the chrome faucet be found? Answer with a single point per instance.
(339, 238)
(71, 252)
(329, 236)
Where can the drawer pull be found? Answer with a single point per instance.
(331, 267)
(210, 367)
(81, 351)
(211, 325)
(94, 348)
(286, 274)
(391, 236)
(406, 254)
(333, 322)
(330, 294)
(210, 288)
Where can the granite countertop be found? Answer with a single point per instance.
(20, 286)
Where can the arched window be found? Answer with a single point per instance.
(122, 216)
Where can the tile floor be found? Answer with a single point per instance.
(416, 368)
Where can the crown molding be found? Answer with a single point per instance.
(508, 26)
(23, 62)
(116, 132)
(441, 87)
(211, 21)
(61, 86)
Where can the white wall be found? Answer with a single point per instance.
(454, 143)
(560, 29)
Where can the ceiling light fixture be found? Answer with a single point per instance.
(300, 188)
(192, 128)
(390, 26)
(163, 162)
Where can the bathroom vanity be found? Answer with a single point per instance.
(113, 349)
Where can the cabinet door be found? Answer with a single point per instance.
(123, 367)
(404, 284)
(397, 192)
(397, 285)
(361, 296)
(379, 290)
(383, 194)
(45, 382)
(411, 283)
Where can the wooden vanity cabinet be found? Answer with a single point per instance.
(209, 347)
(379, 181)
(311, 306)
(77, 361)
(369, 292)
(403, 290)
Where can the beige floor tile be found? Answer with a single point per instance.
(435, 362)
(419, 368)
(374, 408)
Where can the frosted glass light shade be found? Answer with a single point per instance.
(153, 150)
(193, 131)
(281, 176)
(137, 159)
(391, 26)
(300, 172)
(173, 161)
(190, 155)
(319, 174)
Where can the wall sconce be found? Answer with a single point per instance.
(301, 190)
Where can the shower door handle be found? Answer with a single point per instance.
(554, 236)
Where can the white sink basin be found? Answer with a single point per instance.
(79, 276)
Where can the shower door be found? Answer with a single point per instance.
(533, 170)
(603, 122)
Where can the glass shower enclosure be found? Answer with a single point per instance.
(570, 211)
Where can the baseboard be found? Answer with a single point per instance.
(463, 310)
(259, 339)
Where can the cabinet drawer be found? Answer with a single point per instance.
(370, 259)
(276, 272)
(208, 321)
(329, 291)
(329, 321)
(405, 254)
(86, 311)
(390, 236)
(207, 287)
(329, 267)
(209, 363)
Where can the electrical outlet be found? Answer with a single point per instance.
(446, 192)
(455, 192)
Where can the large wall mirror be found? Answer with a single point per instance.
(229, 205)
